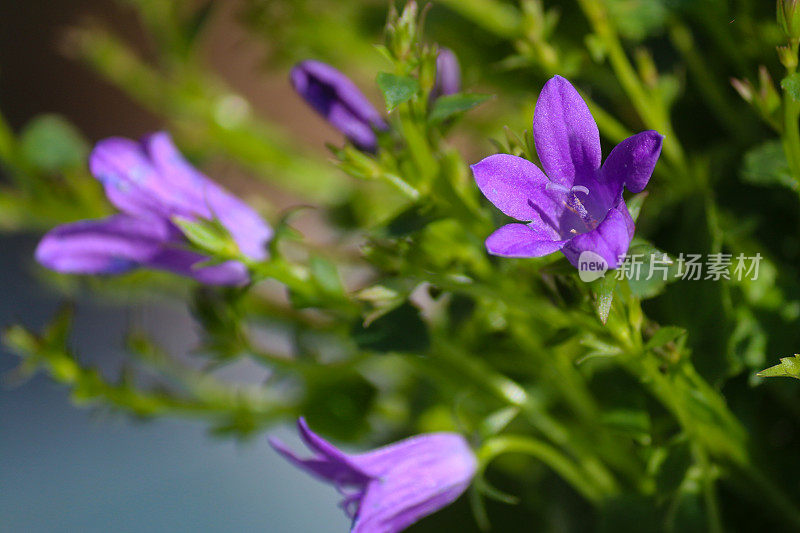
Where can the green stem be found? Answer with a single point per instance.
(549, 455)
(509, 392)
(650, 109)
(709, 490)
(717, 99)
(791, 133)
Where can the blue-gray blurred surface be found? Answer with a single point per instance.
(65, 469)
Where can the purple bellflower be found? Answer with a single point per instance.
(576, 204)
(150, 183)
(334, 96)
(448, 74)
(389, 488)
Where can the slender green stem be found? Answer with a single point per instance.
(717, 99)
(549, 455)
(791, 131)
(651, 109)
(460, 365)
(709, 490)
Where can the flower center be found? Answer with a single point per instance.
(574, 204)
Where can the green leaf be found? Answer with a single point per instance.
(633, 422)
(51, 144)
(338, 405)
(207, 236)
(635, 204)
(766, 165)
(789, 367)
(663, 336)
(497, 421)
(604, 296)
(650, 257)
(637, 19)
(791, 84)
(447, 106)
(400, 330)
(396, 89)
(326, 277)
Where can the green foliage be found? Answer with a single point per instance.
(52, 144)
(766, 165)
(447, 106)
(396, 89)
(648, 418)
(789, 367)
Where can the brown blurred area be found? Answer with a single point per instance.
(36, 76)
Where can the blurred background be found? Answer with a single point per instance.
(69, 469)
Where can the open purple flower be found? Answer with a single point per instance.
(576, 204)
(150, 183)
(334, 96)
(388, 489)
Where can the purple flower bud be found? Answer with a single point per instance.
(448, 74)
(576, 204)
(336, 98)
(151, 182)
(388, 489)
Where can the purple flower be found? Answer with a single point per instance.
(338, 99)
(448, 74)
(388, 489)
(576, 204)
(151, 182)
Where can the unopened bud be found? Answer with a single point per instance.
(789, 18)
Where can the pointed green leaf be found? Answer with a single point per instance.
(789, 367)
(635, 204)
(326, 277)
(396, 89)
(663, 336)
(447, 106)
(604, 296)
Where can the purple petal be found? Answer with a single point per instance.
(208, 199)
(515, 186)
(632, 161)
(324, 469)
(331, 463)
(610, 239)
(448, 74)
(188, 263)
(566, 135)
(523, 240)
(134, 185)
(418, 477)
(318, 444)
(109, 246)
(336, 98)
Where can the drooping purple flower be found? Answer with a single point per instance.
(334, 96)
(448, 74)
(576, 204)
(150, 183)
(388, 489)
